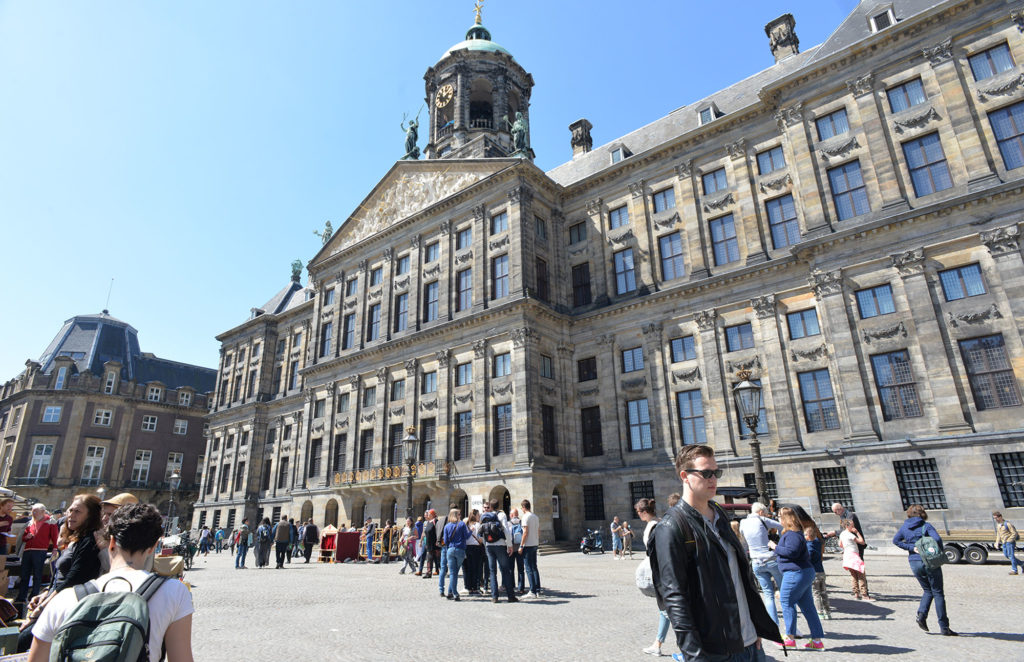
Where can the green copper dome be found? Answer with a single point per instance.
(478, 38)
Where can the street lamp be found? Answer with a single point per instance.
(748, 402)
(410, 444)
(174, 481)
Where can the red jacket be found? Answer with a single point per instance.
(40, 535)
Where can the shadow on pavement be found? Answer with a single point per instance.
(840, 636)
(1004, 636)
(867, 649)
(847, 608)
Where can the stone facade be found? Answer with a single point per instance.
(844, 224)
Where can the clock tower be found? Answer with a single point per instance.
(479, 100)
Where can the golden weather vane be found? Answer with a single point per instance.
(479, 5)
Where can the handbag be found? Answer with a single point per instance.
(645, 578)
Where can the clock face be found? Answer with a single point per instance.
(444, 95)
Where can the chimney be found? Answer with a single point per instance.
(782, 37)
(581, 140)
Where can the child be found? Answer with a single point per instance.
(848, 540)
(814, 546)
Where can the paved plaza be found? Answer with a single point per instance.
(591, 610)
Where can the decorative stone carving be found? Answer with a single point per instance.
(862, 85)
(1017, 16)
(992, 312)
(398, 411)
(605, 341)
(366, 418)
(594, 206)
(764, 306)
(464, 257)
(521, 194)
(411, 365)
(353, 382)
(586, 393)
(364, 265)
(521, 336)
(634, 384)
(706, 319)
(753, 363)
(504, 389)
(317, 427)
(621, 238)
(636, 188)
(432, 271)
(909, 262)
(309, 395)
(374, 294)
(350, 304)
(737, 150)
(389, 254)
(498, 243)
(785, 117)
(884, 333)
(401, 283)
(547, 389)
(818, 352)
(831, 149)
(1001, 240)
(443, 357)
(719, 203)
(668, 221)
(1001, 86)
(826, 283)
(464, 398)
(684, 169)
(445, 228)
(578, 248)
(776, 184)
(414, 242)
(939, 53)
(564, 350)
(686, 375)
(914, 118)
(428, 405)
(343, 423)
(652, 331)
(480, 348)
(325, 315)
(479, 212)
(382, 375)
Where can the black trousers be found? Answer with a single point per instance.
(280, 548)
(307, 550)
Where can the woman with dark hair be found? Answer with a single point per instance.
(454, 538)
(78, 563)
(645, 511)
(134, 531)
(263, 541)
(914, 528)
(797, 578)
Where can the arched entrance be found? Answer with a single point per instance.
(307, 511)
(558, 515)
(421, 505)
(331, 513)
(504, 498)
(388, 510)
(458, 499)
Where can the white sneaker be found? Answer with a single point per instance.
(653, 650)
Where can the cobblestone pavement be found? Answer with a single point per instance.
(591, 610)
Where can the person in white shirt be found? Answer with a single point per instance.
(528, 547)
(754, 528)
(499, 550)
(134, 531)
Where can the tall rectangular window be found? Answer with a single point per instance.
(293, 378)
(464, 298)
(340, 444)
(875, 301)
(833, 486)
(586, 369)
(175, 461)
(282, 473)
(463, 435)
(464, 238)
(402, 312)
(625, 273)
(1009, 468)
(92, 467)
(962, 282)
(108, 385)
(919, 482)
(991, 62)
(502, 429)
(51, 413)
(547, 367)
(430, 301)
(397, 390)
(149, 423)
(990, 373)
(590, 426)
(502, 365)
(376, 276)
(463, 374)
(906, 95)
(762, 418)
(369, 396)
(239, 483)
(896, 388)
(691, 417)
(373, 323)
(739, 336)
(62, 378)
(771, 160)
(499, 277)
(683, 349)
(632, 359)
(351, 287)
(348, 331)
(543, 282)
(833, 124)
(803, 323)
(402, 265)
(639, 420)
(395, 444)
(326, 332)
(499, 223)
(428, 439)
(581, 285)
(343, 405)
(671, 246)
(541, 228)
(547, 420)
(429, 382)
(577, 233)
(42, 454)
(782, 221)
(180, 426)
(431, 252)
(618, 217)
(1008, 127)
(724, 244)
(849, 194)
(664, 200)
(366, 449)
(593, 503)
(714, 181)
(927, 164)
(102, 417)
(140, 468)
(328, 298)
(818, 400)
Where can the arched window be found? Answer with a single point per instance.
(481, 105)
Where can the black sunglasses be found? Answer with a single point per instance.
(706, 474)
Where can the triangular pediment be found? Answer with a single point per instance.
(406, 190)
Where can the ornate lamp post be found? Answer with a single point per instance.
(748, 402)
(174, 481)
(410, 447)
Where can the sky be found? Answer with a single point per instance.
(179, 155)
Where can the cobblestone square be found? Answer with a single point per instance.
(591, 610)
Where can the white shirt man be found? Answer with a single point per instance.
(528, 547)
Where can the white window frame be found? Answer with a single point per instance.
(108, 387)
(52, 413)
(185, 398)
(175, 461)
(103, 417)
(154, 394)
(180, 426)
(62, 378)
(140, 468)
(149, 423)
(888, 12)
(42, 455)
(92, 467)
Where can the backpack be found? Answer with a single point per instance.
(491, 529)
(106, 627)
(263, 533)
(931, 554)
(517, 532)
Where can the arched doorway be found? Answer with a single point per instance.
(421, 505)
(307, 511)
(388, 510)
(331, 513)
(558, 515)
(504, 498)
(457, 498)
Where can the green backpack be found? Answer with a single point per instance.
(106, 627)
(931, 554)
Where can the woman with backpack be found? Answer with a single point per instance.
(70, 623)
(262, 541)
(909, 537)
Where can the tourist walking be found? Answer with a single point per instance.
(815, 546)
(1006, 538)
(204, 540)
(6, 523)
(243, 544)
(529, 546)
(282, 541)
(218, 539)
(455, 535)
(850, 540)
(797, 578)
(645, 510)
(616, 529)
(496, 535)
(263, 538)
(472, 568)
(627, 539)
(755, 528)
(914, 528)
(310, 537)
(430, 546)
(409, 540)
(293, 546)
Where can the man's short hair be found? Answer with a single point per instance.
(688, 454)
(757, 508)
(525, 503)
(838, 505)
(135, 527)
(996, 513)
(493, 503)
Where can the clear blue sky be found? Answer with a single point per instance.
(188, 149)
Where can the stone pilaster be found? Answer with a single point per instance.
(778, 402)
(715, 393)
(443, 445)
(415, 284)
(481, 260)
(654, 350)
(481, 406)
(639, 224)
(694, 228)
(525, 400)
(520, 240)
(600, 265)
(613, 417)
(806, 173)
(874, 125)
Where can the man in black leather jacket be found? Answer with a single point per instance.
(702, 574)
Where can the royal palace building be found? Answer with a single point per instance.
(97, 414)
(844, 224)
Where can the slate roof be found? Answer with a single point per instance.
(856, 26)
(292, 295)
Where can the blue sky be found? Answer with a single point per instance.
(188, 149)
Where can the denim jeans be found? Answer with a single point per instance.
(497, 557)
(796, 592)
(766, 571)
(1008, 549)
(442, 570)
(532, 574)
(663, 626)
(32, 562)
(455, 558)
(931, 584)
(240, 557)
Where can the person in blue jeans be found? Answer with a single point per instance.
(455, 535)
(914, 528)
(243, 544)
(797, 578)
(1006, 540)
(528, 547)
(763, 561)
(496, 534)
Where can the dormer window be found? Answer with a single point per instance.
(706, 115)
(154, 394)
(62, 378)
(618, 152)
(616, 155)
(883, 20)
(111, 382)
